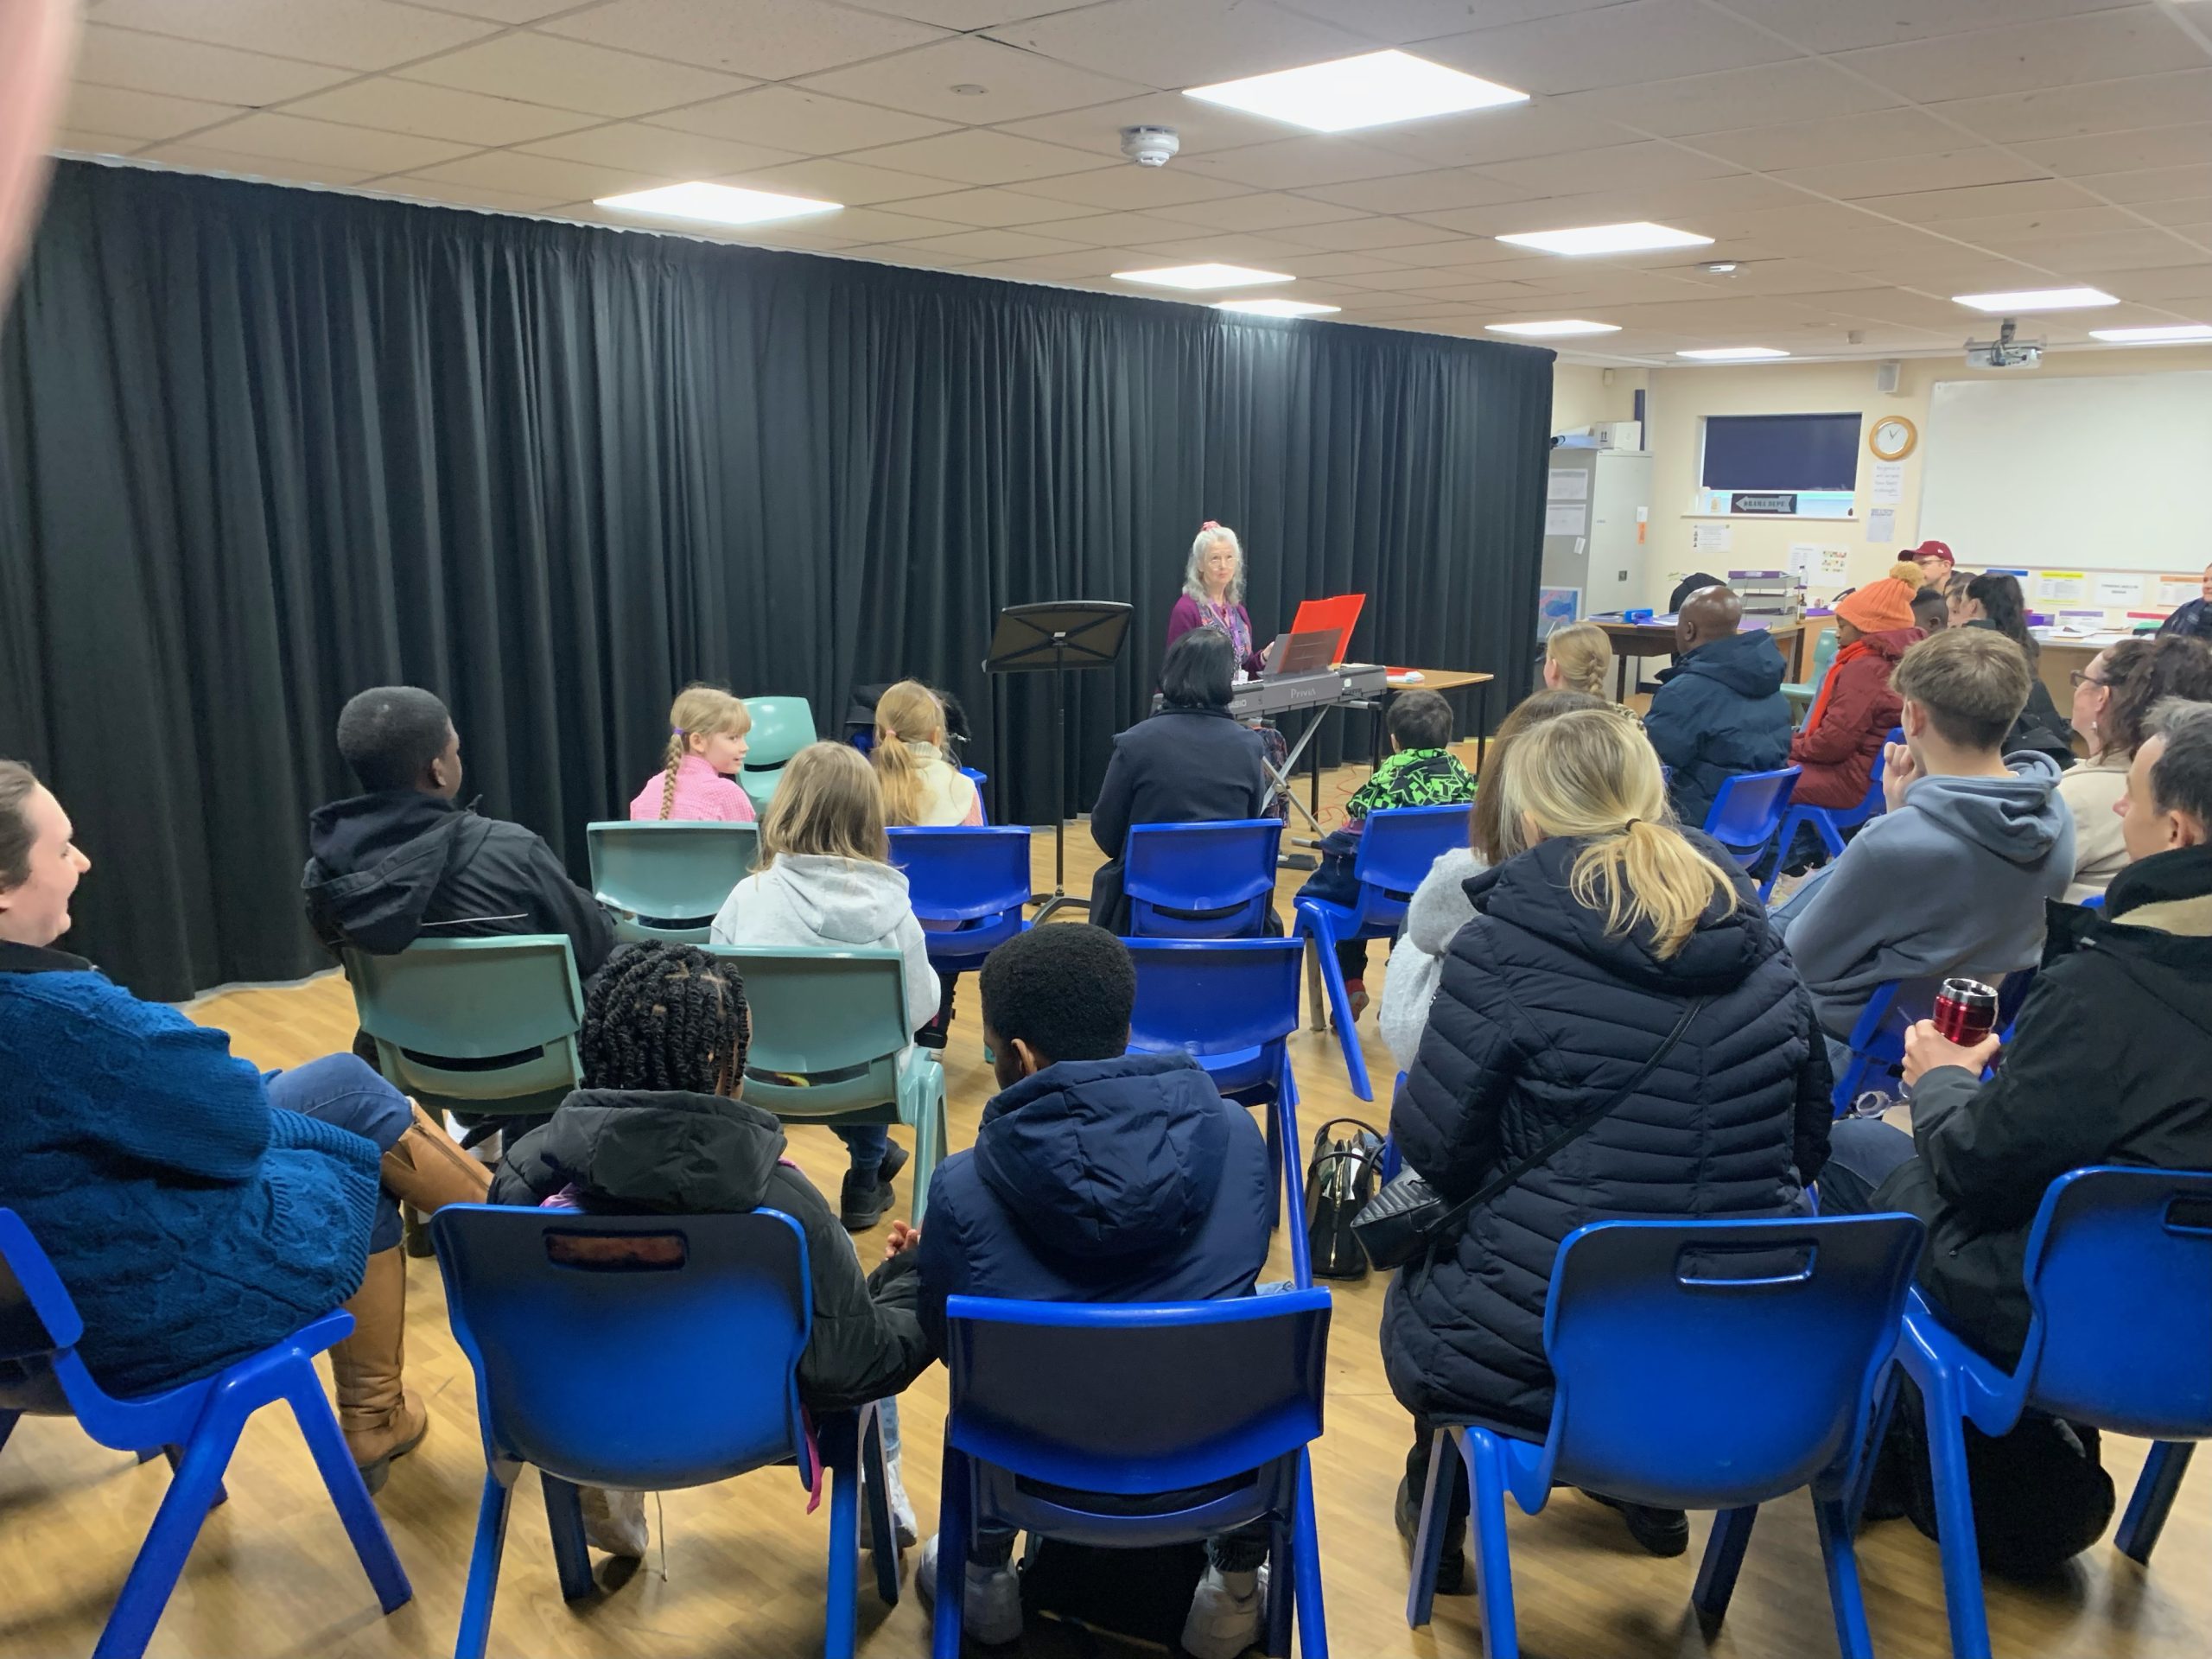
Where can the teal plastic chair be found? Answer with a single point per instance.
(474, 1025)
(667, 880)
(1800, 694)
(781, 728)
(830, 1045)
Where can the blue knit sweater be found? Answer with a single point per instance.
(192, 1223)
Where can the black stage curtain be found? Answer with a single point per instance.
(262, 447)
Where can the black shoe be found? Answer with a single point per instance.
(895, 1160)
(861, 1203)
(1662, 1532)
(1451, 1560)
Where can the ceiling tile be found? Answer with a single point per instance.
(2122, 152)
(1643, 40)
(393, 106)
(1617, 166)
(2137, 249)
(572, 75)
(2184, 95)
(814, 123)
(1478, 137)
(1364, 235)
(325, 144)
(1291, 163)
(1114, 230)
(1419, 193)
(1868, 138)
(978, 155)
(1797, 89)
(407, 188)
(1400, 22)
(2174, 284)
(631, 146)
(772, 40)
(352, 34)
(500, 11)
(75, 140)
(143, 116)
(963, 14)
(999, 244)
(2190, 210)
(1949, 170)
(1015, 85)
(2100, 46)
(874, 224)
(1828, 26)
(992, 209)
(1200, 126)
(157, 63)
(2155, 184)
(2004, 230)
(1130, 188)
(1170, 44)
(541, 175)
(1337, 265)
(202, 158)
(1934, 208)
(832, 179)
(1263, 210)
(1236, 247)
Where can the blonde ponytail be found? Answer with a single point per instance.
(1585, 656)
(907, 712)
(1590, 775)
(676, 748)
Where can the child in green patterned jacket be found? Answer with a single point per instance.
(1420, 771)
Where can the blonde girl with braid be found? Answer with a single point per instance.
(706, 745)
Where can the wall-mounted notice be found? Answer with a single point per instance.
(1711, 538)
(1567, 518)
(1882, 524)
(1804, 559)
(2063, 586)
(2118, 593)
(1833, 561)
(1888, 489)
(1567, 485)
(2179, 590)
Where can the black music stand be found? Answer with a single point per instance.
(1058, 635)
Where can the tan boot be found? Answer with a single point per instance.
(427, 1171)
(381, 1419)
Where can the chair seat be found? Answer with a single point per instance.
(962, 947)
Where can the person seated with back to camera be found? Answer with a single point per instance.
(921, 787)
(1854, 710)
(660, 1127)
(1420, 770)
(1193, 762)
(1954, 875)
(1993, 602)
(1718, 711)
(707, 729)
(2106, 1065)
(2113, 699)
(1578, 657)
(1097, 1176)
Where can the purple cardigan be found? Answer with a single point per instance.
(1185, 616)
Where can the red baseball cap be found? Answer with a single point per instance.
(1932, 551)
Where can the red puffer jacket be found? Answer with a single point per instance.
(1838, 755)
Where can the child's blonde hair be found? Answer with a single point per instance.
(1585, 656)
(699, 711)
(908, 713)
(826, 803)
(1590, 775)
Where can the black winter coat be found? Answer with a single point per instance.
(1182, 766)
(686, 1154)
(2112, 1064)
(1717, 713)
(1539, 1015)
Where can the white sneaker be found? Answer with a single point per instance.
(990, 1611)
(1227, 1613)
(615, 1522)
(903, 1523)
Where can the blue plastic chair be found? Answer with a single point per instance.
(1061, 1414)
(967, 888)
(982, 800)
(1232, 1005)
(197, 1424)
(781, 728)
(649, 1376)
(667, 878)
(1748, 811)
(1697, 1365)
(1397, 849)
(2118, 1274)
(1878, 1039)
(836, 1020)
(1829, 823)
(1200, 881)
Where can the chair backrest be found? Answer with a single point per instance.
(1824, 649)
(37, 1318)
(1221, 875)
(604, 1368)
(1214, 996)
(1750, 808)
(781, 728)
(668, 869)
(963, 873)
(2119, 1285)
(838, 1017)
(1135, 1398)
(1399, 843)
(508, 1010)
(1703, 1365)
(979, 779)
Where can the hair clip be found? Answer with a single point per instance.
(1208, 524)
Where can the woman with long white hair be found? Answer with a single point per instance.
(1213, 595)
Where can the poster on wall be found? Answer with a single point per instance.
(1882, 526)
(1833, 561)
(2178, 590)
(1888, 490)
(2063, 586)
(1565, 518)
(1567, 485)
(2118, 593)
(1555, 608)
(1711, 538)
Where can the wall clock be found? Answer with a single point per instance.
(1892, 438)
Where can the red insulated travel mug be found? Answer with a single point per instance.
(1965, 1012)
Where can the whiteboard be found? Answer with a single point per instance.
(2091, 473)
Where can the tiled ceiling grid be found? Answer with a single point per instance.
(1864, 159)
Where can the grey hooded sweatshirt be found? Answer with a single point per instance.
(839, 903)
(1438, 909)
(1954, 879)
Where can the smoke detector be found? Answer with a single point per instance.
(1150, 146)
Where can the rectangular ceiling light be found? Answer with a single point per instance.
(1370, 91)
(2036, 299)
(2174, 336)
(1732, 353)
(1203, 276)
(1608, 239)
(1557, 330)
(1276, 308)
(716, 204)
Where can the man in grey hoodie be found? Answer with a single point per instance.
(1954, 875)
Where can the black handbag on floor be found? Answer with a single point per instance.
(1342, 1176)
(1408, 1217)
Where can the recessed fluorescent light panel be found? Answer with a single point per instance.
(1608, 238)
(1732, 353)
(716, 204)
(2174, 336)
(1276, 308)
(1203, 276)
(1372, 90)
(1558, 330)
(2038, 299)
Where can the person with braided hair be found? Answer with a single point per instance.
(706, 745)
(659, 1128)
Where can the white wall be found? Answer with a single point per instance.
(1580, 397)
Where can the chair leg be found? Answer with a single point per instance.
(840, 1449)
(1852, 1639)
(954, 1523)
(1885, 1402)
(1284, 1131)
(1271, 1127)
(1428, 1536)
(882, 1528)
(176, 1456)
(1313, 984)
(1340, 1005)
(564, 1519)
(1305, 1557)
(484, 1565)
(1724, 1559)
(928, 1150)
(8, 1426)
(1956, 1542)
(342, 1480)
(1283, 1576)
(168, 1541)
(2154, 1498)
(1494, 1568)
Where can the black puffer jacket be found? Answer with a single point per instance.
(685, 1154)
(1539, 1016)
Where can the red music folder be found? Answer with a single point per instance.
(1338, 615)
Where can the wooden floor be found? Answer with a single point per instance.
(271, 1574)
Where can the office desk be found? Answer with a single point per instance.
(1633, 641)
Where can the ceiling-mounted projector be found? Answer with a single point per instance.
(2004, 351)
